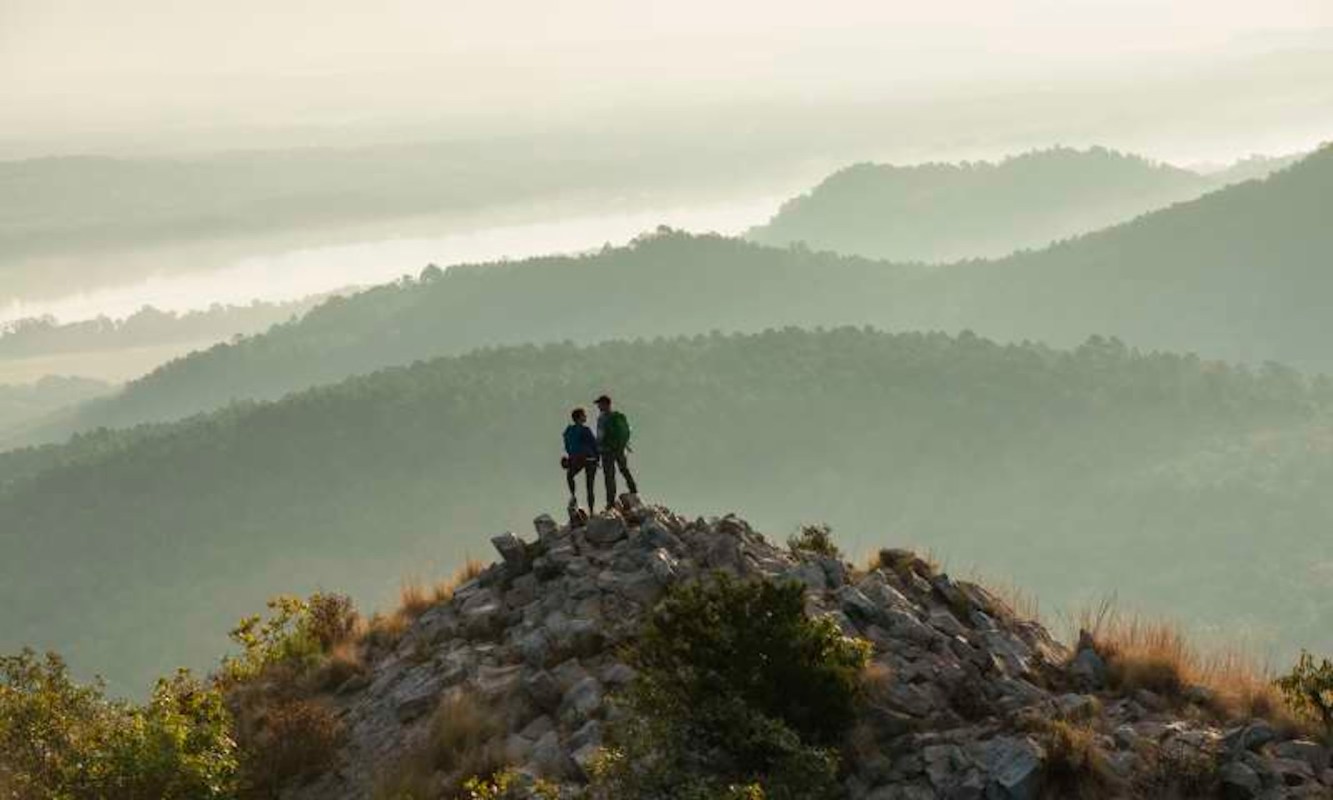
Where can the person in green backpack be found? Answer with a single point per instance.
(613, 442)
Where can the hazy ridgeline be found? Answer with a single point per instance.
(1188, 487)
(41, 336)
(1241, 274)
(23, 402)
(71, 223)
(946, 212)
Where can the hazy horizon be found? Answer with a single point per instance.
(154, 77)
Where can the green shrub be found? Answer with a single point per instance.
(297, 634)
(737, 692)
(66, 741)
(1308, 690)
(817, 539)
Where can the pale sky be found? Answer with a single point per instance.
(70, 66)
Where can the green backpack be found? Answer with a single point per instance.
(619, 430)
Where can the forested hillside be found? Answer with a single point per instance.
(1242, 273)
(1076, 473)
(941, 212)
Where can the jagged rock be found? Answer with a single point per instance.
(581, 701)
(655, 533)
(1088, 669)
(810, 574)
(605, 529)
(497, 682)
(539, 643)
(1015, 766)
(513, 551)
(641, 586)
(1316, 755)
(835, 572)
(568, 673)
(546, 528)
(943, 763)
(662, 566)
(539, 726)
(1076, 706)
(943, 620)
(1238, 781)
(536, 648)
(1250, 737)
(912, 699)
(410, 708)
(517, 749)
(551, 760)
(857, 606)
(584, 757)
(543, 690)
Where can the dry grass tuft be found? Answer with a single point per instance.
(288, 741)
(1014, 601)
(1156, 655)
(470, 569)
(415, 598)
(464, 738)
(903, 562)
(876, 680)
(385, 631)
(344, 662)
(1075, 766)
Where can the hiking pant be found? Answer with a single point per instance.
(610, 460)
(589, 468)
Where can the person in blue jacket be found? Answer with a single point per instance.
(581, 455)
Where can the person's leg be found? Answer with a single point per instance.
(590, 471)
(623, 461)
(570, 472)
(609, 468)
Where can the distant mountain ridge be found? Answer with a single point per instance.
(942, 212)
(1240, 273)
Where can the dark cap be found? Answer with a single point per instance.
(602, 399)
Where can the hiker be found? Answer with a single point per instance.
(580, 456)
(613, 441)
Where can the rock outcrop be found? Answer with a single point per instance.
(967, 699)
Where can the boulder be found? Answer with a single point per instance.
(605, 529)
(1250, 737)
(1316, 755)
(546, 528)
(1088, 669)
(582, 701)
(550, 759)
(512, 552)
(536, 648)
(543, 690)
(1238, 782)
(1015, 768)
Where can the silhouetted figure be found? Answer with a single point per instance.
(613, 440)
(581, 453)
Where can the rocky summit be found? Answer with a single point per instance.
(964, 699)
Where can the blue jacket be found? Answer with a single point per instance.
(580, 441)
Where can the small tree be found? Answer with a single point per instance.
(1308, 689)
(736, 688)
(817, 539)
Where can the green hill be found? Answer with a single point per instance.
(1198, 488)
(1240, 274)
(941, 212)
